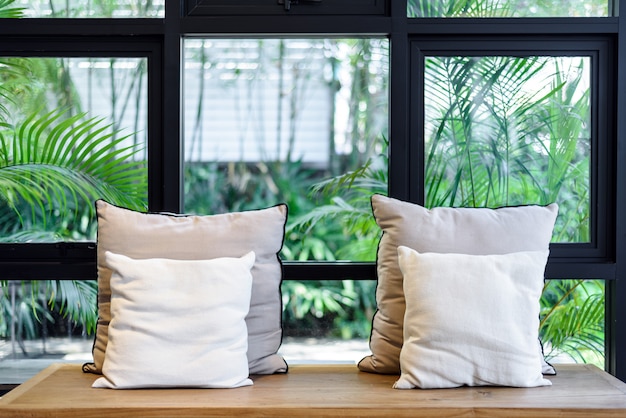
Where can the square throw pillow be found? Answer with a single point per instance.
(186, 316)
(477, 231)
(149, 235)
(471, 320)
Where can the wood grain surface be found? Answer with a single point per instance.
(63, 390)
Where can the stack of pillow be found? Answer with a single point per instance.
(194, 301)
(187, 301)
(458, 295)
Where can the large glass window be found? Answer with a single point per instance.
(224, 105)
(506, 131)
(72, 130)
(508, 8)
(289, 120)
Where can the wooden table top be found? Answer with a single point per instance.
(63, 390)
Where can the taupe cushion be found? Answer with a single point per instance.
(477, 231)
(140, 235)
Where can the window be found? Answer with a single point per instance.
(95, 109)
(87, 9)
(229, 105)
(511, 8)
(512, 126)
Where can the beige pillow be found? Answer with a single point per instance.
(140, 235)
(191, 315)
(478, 231)
(471, 320)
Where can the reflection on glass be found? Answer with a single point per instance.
(269, 120)
(502, 131)
(507, 8)
(72, 130)
(89, 8)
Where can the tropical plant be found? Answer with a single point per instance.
(459, 8)
(8, 11)
(505, 8)
(52, 168)
(572, 320)
(53, 165)
(345, 200)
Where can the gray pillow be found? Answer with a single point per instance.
(148, 235)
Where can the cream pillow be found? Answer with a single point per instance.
(177, 323)
(478, 231)
(471, 319)
(140, 235)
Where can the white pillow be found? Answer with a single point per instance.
(471, 319)
(178, 323)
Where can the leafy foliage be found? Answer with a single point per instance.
(8, 11)
(505, 8)
(495, 138)
(349, 206)
(51, 165)
(52, 168)
(572, 320)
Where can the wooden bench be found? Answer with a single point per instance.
(63, 390)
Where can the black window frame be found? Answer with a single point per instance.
(597, 48)
(160, 39)
(279, 7)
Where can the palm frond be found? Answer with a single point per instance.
(77, 300)
(8, 12)
(370, 178)
(55, 163)
(339, 209)
(574, 325)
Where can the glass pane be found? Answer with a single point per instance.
(83, 9)
(72, 130)
(36, 330)
(504, 131)
(327, 321)
(572, 322)
(301, 121)
(507, 8)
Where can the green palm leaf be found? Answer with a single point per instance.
(574, 324)
(6, 11)
(55, 164)
(77, 299)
